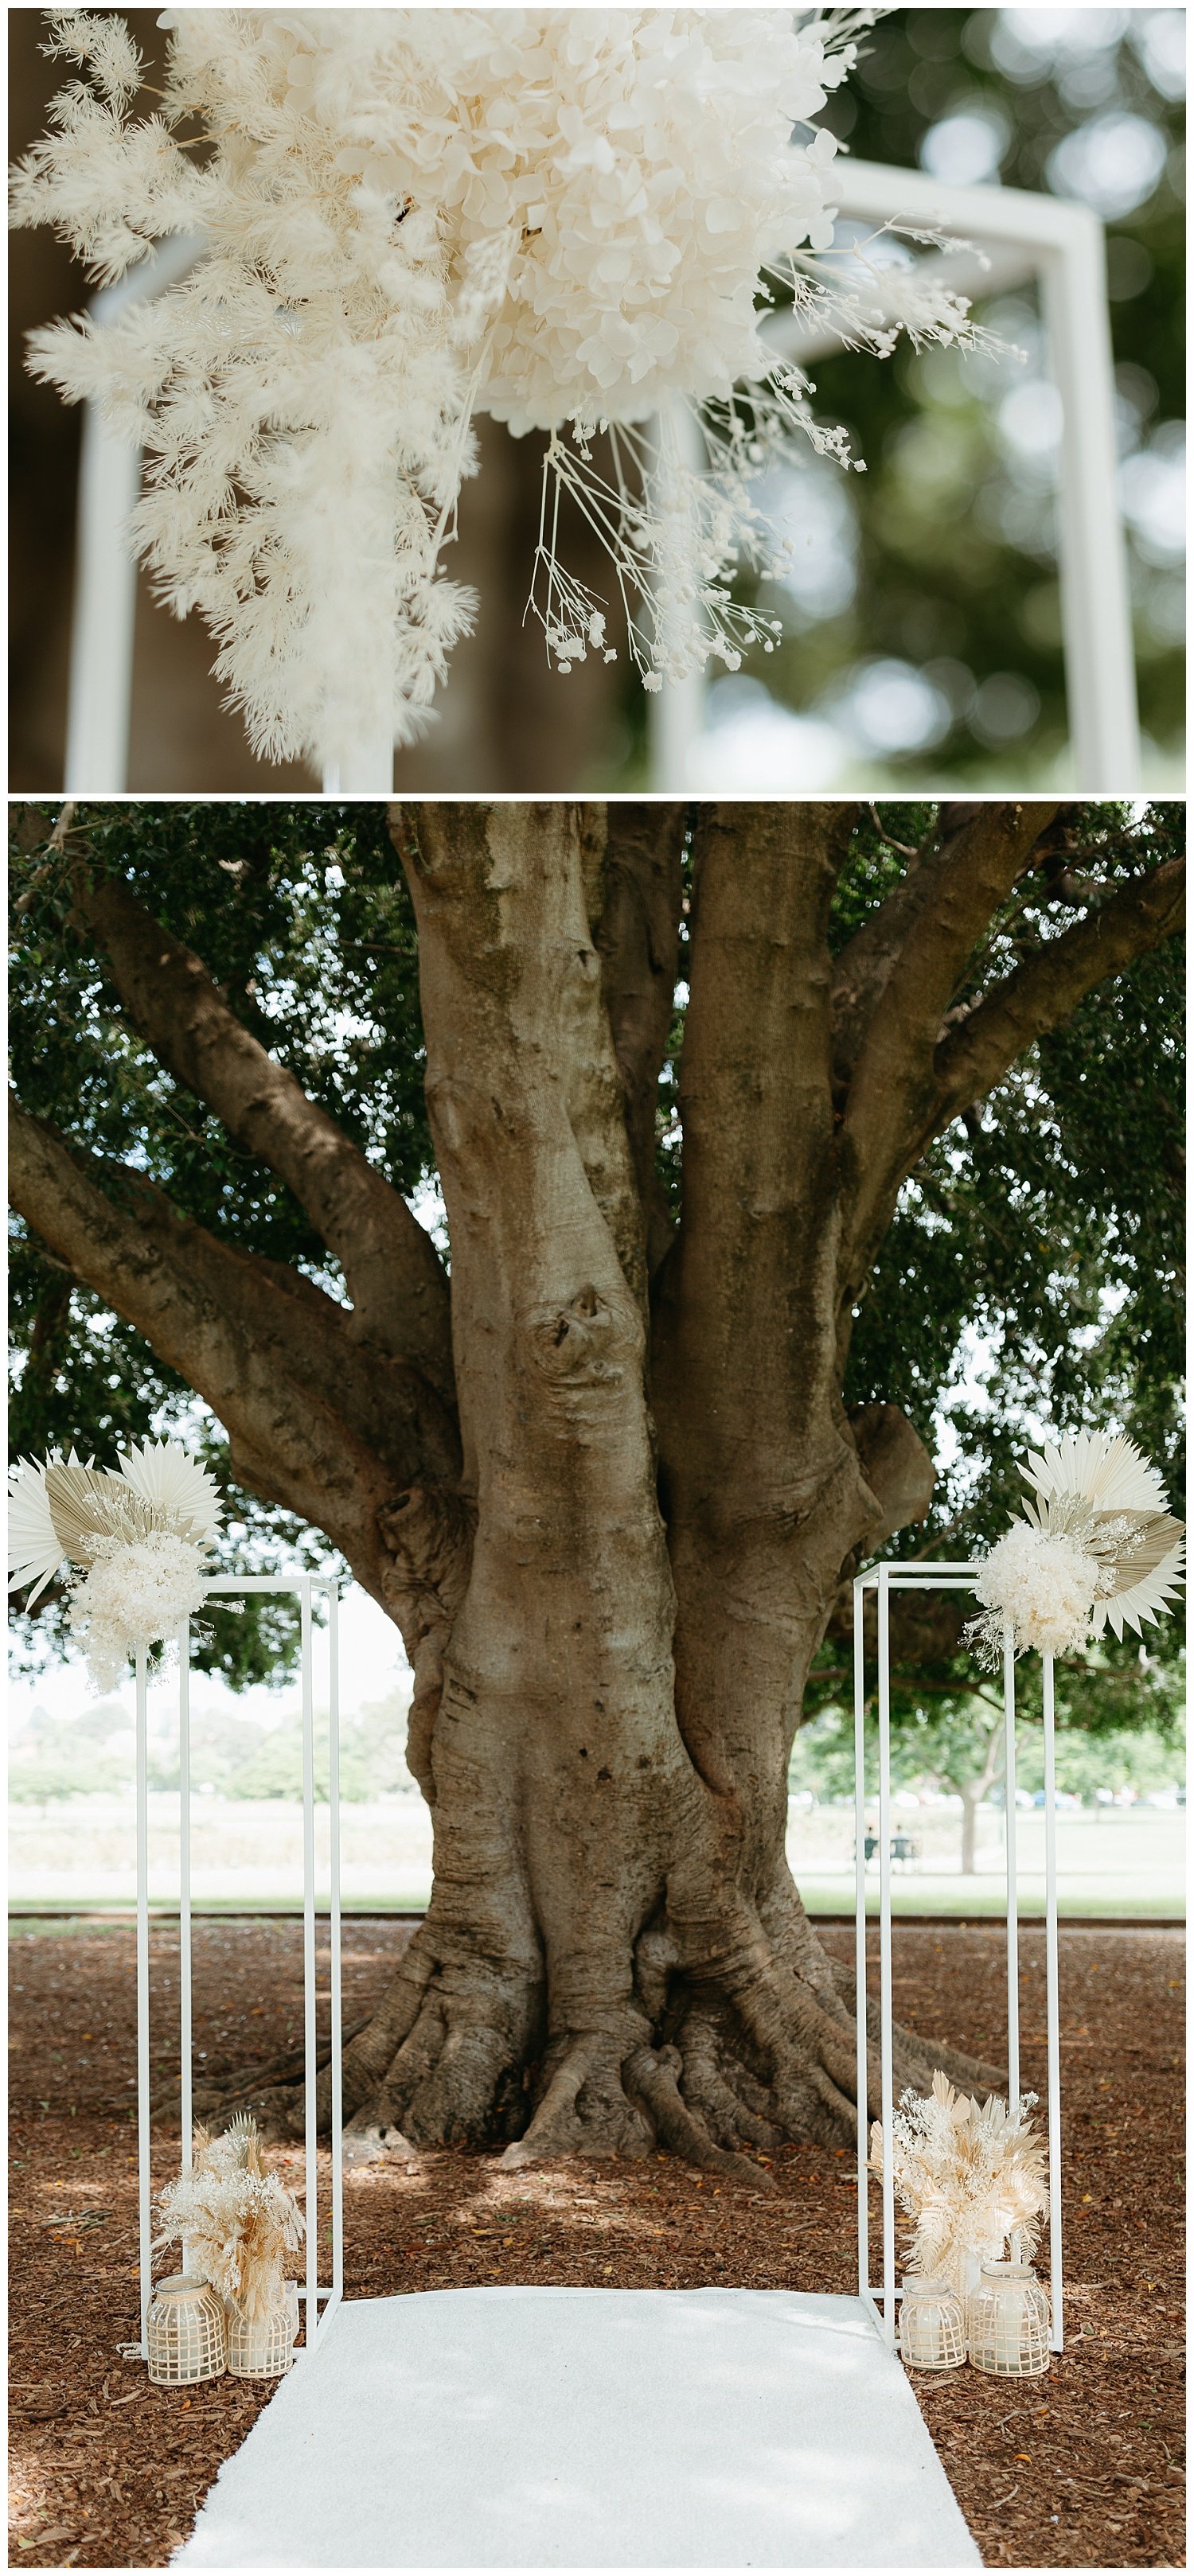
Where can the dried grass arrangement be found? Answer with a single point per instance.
(134, 1541)
(1097, 1547)
(237, 2221)
(969, 2176)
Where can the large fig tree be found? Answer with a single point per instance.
(603, 1470)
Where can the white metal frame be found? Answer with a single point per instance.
(905, 1575)
(319, 2300)
(1018, 236)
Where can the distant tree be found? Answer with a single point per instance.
(1122, 1718)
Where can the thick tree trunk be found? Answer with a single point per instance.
(613, 1498)
(614, 1951)
(973, 1793)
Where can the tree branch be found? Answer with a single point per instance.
(395, 1280)
(441, 846)
(760, 1475)
(757, 1119)
(1047, 988)
(325, 1427)
(863, 968)
(637, 938)
(895, 1004)
(897, 1467)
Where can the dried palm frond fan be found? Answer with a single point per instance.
(1098, 1547)
(139, 1535)
(971, 2177)
(238, 2223)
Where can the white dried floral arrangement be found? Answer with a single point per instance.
(133, 1543)
(1097, 1548)
(574, 220)
(970, 2177)
(235, 2218)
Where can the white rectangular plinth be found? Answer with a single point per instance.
(589, 2428)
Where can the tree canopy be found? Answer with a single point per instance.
(611, 1480)
(1030, 1276)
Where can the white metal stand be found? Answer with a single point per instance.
(1023, 236)
(902, 1575)
(1020, 238)
(372, 774)
(100, 693)
(319, 2300)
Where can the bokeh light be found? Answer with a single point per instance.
(921, 612)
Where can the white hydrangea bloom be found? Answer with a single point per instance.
(568, 218)
(133, 1596)
(1045, 1584)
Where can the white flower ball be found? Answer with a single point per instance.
(593, 191)
(135, 1594)
(1045, 1584)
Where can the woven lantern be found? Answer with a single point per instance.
(185, 2332)
(265, 2348)
(1009, 2322)
(932, 2325)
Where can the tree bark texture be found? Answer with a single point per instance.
(973, 1793)
(605, 1483)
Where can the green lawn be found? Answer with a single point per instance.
(77, 1854)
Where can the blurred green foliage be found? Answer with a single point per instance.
(945, 1750)
(928, 605)
(240, 1753)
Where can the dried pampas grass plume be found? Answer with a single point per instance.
(968, 2177)
(573, 220)
(237, 2220)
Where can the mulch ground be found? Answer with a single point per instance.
(1077, 2470)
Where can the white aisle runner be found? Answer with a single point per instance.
(589, 2428)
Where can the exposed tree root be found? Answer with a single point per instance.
(584, 2107)
(655, 2076)
(723, 2095)
(218, 2093)
(720, 2068)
